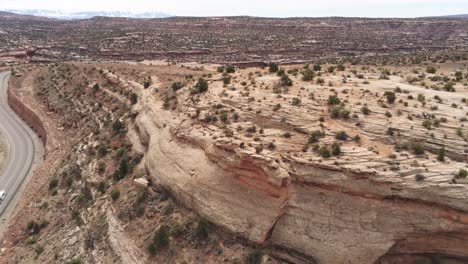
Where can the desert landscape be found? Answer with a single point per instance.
(240, 140)
(244, 41)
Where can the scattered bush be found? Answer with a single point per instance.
(133, 98)
(276, 107)
(147, 83)
(254, 257)
(431, 69)
(365, 110)
(259, 149)
(419, 177)
(286, 81)
(462, 173)
(175, 86)
(39, 249)
(160, 239)
(418, 148)
(315, 136)
(200, 87)
(307, 75)
(273, 67)
(115, 194)
(427, 124)
(441, 154)
(231, 69)
(391, 97)
(117, 126)
(341, 135)
(223, 116)
(53, 183)
(324, 152)
(202, 229)
(333, 100)
(296, 101)
(335, 149)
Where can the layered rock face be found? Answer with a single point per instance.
(360, 207)
(328, 215)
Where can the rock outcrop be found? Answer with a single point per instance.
(355, 209)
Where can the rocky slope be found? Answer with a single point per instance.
(350, 164)
(368, 202)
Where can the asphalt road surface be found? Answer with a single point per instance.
(21, 142)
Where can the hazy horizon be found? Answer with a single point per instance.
(259, 8)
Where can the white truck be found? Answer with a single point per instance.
(2, 196)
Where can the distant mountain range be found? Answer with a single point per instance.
(59, 14)
(459, 16)
(85, 14)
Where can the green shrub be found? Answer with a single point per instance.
(115, 193)
(307, 75)
(286, 81)
(76, 217)
(133, 98)
(147, 83)
(123, 170)
(273, 67)
(335, 149)
(231, 69)
(176, 230)
(462, 173)
(177, 86)
(324, 152)
(161, 237)
(117, 126)
(441, 154)
(427, 124)
(33, 227)
(39, 249)
(431, 69)
(341, 135)
(391, 97)
(254, 257)
(418, 148)
(315, 136)
(296, 101)
(102, 186)
(200, 87)
(333, 100)
(365, 110)
(339, 112)
(202, 229)
(152, 249)
(223, 116)
(53, 183)
(419, 177)
(227, 79)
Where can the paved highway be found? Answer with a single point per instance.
(21, 143)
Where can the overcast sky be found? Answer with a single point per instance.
(273, 8)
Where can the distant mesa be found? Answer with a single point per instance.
(58, 14)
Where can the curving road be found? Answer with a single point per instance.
(21, 144)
